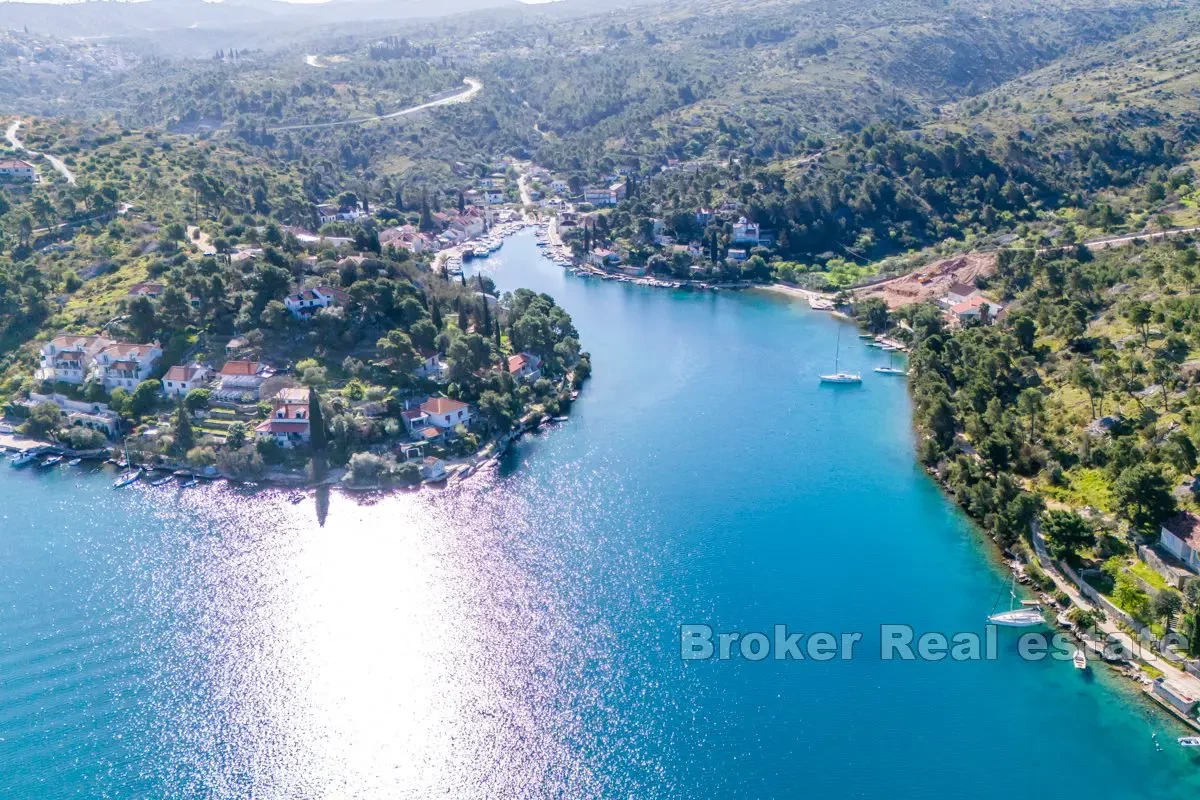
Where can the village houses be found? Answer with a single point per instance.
(525, 367)
(67, 358)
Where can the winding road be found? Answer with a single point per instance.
(472, 88)
(11, 135)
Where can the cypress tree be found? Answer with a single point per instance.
(185, 437)
(316, 423)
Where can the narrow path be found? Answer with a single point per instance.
(473, 87)
(11, 136)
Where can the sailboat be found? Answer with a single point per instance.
(890, 369)
(1019, 617)
(838, 376)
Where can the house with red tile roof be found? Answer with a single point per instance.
(182, 378)
(445, 413)
(67, 358)
(126, 364)
(525, 367)
(240, 378)
(288, 424)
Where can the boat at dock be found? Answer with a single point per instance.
(50, 461)
(22, 459)
(1024, 617)
(74, 462)
(189, 482)
(1080, 659)
(1189, 741)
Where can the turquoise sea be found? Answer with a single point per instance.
(518, 635)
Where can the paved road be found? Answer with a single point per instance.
(11, 136)
(473, 87)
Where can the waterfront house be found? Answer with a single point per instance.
(525, 367)
(445, 413)
(304, 304)
(1180, 536)
(15, 169)
(181, 379)
(240, 378)
(737, 254)
(433, 469)
(288, 424)
(603, 258)
(67, 357)
(125, 364)
(97, 416)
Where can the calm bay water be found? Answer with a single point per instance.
(517, 636)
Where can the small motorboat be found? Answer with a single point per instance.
(1079, 659)
(49, 461)
(163, 480)
(127, 478)
(190, 482)
(22, 459)
(891, 371)
(74, 462)
(1189, 741)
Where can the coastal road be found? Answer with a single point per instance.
(11, 135)
(462, 96)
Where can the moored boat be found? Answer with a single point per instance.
(127, 478)
(50, 461)
(74, 462)
(1080, 659)
(838, 376)
(1025, 617)
(1189, 741)
(22, 459)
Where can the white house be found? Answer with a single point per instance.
(433, 469)
(97, 416)
(493, 196)
(305, 303)
(559, 185)
(240, 378)
(125, 365)
(288, 424)
(745, 232)
(430, 366)
(958, 293)
(14, 169)
(525, 367)
(975, 307)
(1180, 536)
(67, 357)
(445, 413)
(182, 378)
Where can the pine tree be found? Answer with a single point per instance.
(499, 348)
(435, 314)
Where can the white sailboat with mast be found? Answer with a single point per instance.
(1024, 617)
(837, 376)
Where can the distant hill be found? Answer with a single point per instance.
(241, 23)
